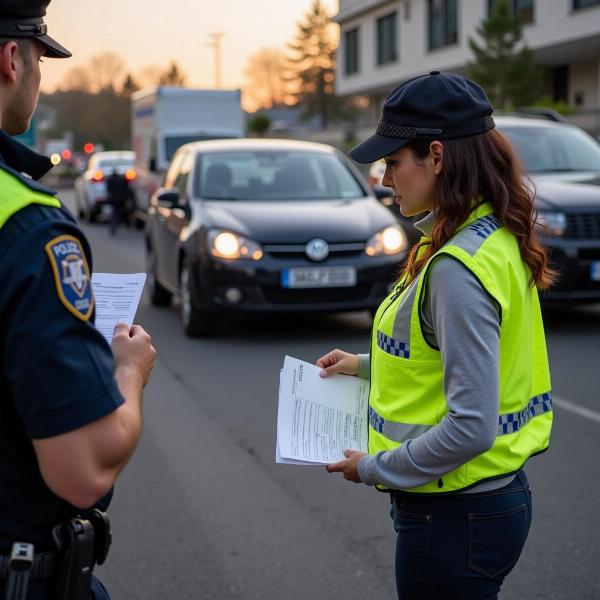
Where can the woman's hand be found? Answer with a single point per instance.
(348, 466)
(338, 361)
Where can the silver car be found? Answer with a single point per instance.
(91, 198)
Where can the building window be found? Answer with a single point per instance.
(351, 50)
(577, 4)
(387, 39)
(521, 8)
(443, 23)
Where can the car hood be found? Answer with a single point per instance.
(291, 221)
(569, 190)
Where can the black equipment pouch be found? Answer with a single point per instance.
(75, 542)
(19, 567)
(102, 534)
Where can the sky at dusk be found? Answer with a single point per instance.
(153, 32)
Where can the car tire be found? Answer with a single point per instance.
(196, 323)
(79, 209)
(159, 296)
(92, 215)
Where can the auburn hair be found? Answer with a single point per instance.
(484, 167)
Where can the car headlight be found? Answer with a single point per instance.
(389, 241)
(226, 244)
(551, 223)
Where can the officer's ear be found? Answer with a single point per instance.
(8, 68)
(436, 156)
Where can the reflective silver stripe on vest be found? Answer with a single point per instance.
(471, 238)
(512, 422)
(392, 346)
(397, 432)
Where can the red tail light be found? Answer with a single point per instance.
(130, 175)
(98, 176)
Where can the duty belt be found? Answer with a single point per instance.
(42, 569)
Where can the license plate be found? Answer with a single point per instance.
(595, 271)
(318, 277)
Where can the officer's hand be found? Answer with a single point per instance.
(348, 466)
(338, 361)
(133, 351)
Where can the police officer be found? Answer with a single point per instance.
(460, 385)
(70, 408)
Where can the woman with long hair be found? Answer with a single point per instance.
(460, 393)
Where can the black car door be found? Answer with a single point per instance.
(178, 218)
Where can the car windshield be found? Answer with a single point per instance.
(554, 149)
(275, 175)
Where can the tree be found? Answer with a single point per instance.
(105, 70)
(266, 74)
(77, 79)
(129, 87)
(312, 62)
(173, 76)
(504, 66)
(259, 124)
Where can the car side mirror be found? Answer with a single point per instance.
(168, 198)
(385, 195)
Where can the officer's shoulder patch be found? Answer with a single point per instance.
(71, 275)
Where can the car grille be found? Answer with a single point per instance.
(299, 250)
(583, 226)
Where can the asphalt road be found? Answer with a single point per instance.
(203, 511)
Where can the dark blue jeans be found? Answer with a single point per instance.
(459, 547)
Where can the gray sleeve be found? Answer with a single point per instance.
(364, 367)
(465, 320)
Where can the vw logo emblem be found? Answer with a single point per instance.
(317, 250)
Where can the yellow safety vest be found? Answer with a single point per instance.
(16, 195)
(407, 392)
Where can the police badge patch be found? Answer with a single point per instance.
(71, 275)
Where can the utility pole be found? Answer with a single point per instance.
(215, 43)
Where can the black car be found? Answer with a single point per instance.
(268, 226)
(564, 165)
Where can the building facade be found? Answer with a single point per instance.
(385, 41)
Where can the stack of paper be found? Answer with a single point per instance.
(319, 418)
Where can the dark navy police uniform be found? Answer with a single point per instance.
(57, 370)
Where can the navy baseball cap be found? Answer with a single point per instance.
(25, 19)
(437, 106)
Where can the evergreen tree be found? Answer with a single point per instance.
(173, 76)
(312, 64)
(504, 66)
(130, 86)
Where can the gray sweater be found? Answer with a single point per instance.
(462, 320)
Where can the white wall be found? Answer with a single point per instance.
(555, 26)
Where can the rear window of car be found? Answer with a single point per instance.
(115, 162)
(275, 175)
(554, 149)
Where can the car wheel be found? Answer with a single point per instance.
(195, 323)
(159, 296)
(80, 213)
(92, 215)
(139, 223)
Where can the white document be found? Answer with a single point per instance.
(319, 418)
(117, 297)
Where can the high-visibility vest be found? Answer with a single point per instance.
(16, 195)
(407, 384)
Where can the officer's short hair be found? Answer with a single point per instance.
(24, 47)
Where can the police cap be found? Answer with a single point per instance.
(25, 19)
(438, 106)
